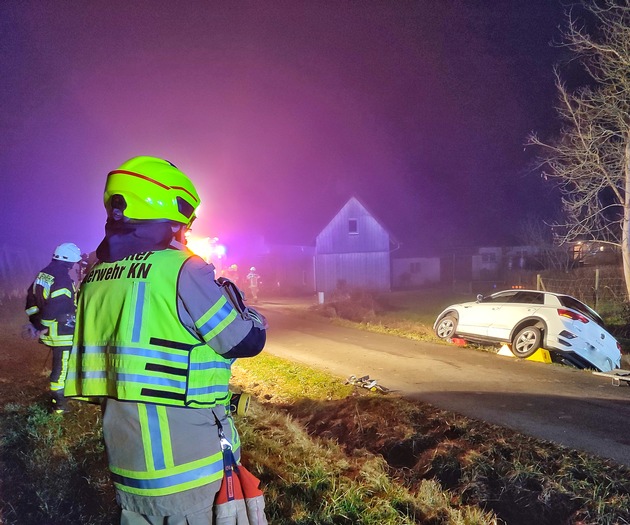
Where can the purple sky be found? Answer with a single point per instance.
(279, 111)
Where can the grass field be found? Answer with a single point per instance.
(409, 314)
(326, 452)
(412, 314)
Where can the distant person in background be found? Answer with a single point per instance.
(231, 273)
(51, 306)
(253, 283)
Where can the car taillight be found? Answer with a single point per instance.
(574, 316)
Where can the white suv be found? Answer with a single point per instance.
(531, 319)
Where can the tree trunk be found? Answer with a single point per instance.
(625, 234)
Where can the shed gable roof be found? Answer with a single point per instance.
(354, 207)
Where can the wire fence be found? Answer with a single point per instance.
(602, 289)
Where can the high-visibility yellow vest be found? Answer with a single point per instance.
(130, 345)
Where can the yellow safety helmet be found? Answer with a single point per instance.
(149, 188)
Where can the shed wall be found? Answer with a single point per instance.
(355, 270)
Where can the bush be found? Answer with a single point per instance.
(356, 305)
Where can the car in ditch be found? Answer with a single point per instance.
(527, 320)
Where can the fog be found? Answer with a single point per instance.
(279, 112)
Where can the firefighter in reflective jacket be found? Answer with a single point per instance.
(252, 283)
(50, 306)
(155, 339)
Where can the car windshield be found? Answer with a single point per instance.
(574, 304)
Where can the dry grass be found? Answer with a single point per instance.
(440, 456)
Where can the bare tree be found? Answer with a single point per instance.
(550, 254)
(590, 160)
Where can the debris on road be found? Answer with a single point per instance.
(367, 383)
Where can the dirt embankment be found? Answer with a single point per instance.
(521, 479)
(25, 366)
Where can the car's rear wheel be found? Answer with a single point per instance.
(526, 342)
(446, 327)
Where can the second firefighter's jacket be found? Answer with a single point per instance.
(50, 304)
(130, 344)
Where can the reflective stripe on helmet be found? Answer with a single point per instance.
(150, 188)
(149, 179)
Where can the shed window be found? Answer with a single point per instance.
(353, 226)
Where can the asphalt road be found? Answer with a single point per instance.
(571, 407)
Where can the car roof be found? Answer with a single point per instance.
(526, 290)
(580, 306)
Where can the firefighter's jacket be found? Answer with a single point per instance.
(152, 330)
(50, 303)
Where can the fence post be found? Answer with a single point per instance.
(539, 283)
(596, 298)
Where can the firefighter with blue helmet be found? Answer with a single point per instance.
(50, 306)
(155, 338)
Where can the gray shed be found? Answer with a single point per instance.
(353, 251)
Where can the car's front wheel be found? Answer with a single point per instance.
(446, 327)
(526, 342)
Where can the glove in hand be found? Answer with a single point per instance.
(235, 296)
(30, 333)
(232, 292)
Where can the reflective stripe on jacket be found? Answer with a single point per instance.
(50, 303)
(178, 449)
(130, 344)
(167, 463)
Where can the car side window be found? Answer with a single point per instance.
(507, 297)
(529, 298)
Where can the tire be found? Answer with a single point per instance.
(526, 342)
(446, 327)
